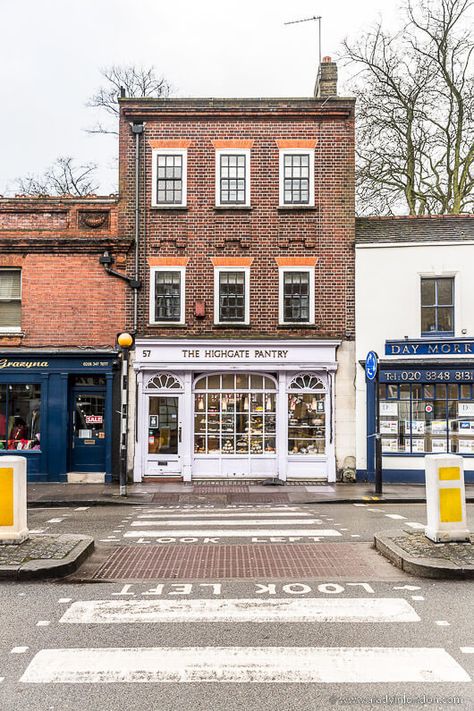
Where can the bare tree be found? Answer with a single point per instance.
(63, 177)
(415, 111)
(130, 81)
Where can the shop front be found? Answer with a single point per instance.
(425, 406)
(56, 411)
(249, 409)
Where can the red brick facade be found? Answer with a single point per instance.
(264, 232)
(67, 299)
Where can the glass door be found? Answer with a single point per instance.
(164, 435)
(88, 431)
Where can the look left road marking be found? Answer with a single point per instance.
(244, 665)
(241, 610)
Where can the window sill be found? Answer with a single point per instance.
(230, 326)
(12, 334)
(180, 208)
(166, 324)
(231, 208)
(301, 208)
(286, 326)
(438, 334)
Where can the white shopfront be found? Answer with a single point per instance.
(243, 410)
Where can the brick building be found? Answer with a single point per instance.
(59, 316)
(243, 214)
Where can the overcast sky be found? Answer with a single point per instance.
(51, 52)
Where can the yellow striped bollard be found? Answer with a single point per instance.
(445, 498)
(13, 523)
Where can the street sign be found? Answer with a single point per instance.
(371, 365)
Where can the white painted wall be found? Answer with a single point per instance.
(387, 294)
(345, 400)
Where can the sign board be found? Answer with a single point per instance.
(371, 365)
(448, 347)
(94, 419)
(426, 375)
(153, 421)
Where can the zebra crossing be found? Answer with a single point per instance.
(250, 523)
(195, 664)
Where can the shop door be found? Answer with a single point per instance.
(88, 431)
(164, 436)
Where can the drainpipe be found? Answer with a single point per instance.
(137, 130)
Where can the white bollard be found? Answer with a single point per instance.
(445, 498)
(13, 523)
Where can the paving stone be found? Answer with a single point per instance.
(418, 545)
(44, 547)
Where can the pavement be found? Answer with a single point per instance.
(416, 554)
(223, 493)
(44, 556)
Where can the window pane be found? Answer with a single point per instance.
(10, 314)
(169, 187)
(428, 319)
(167, 296)
(235, 422)
(445, 319)
(163, 429)
(445, 292)
(296, 297)
(306, 424)
(427, 292)
(10, 298)
(10, 284)
(232, 296)
(23, 416)
(296, 179)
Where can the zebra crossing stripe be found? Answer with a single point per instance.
(227, 514)
(241, 610)
(244, 665)
(218, 522)
(233, 533)
(415, 525)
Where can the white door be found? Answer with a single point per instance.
(164, 457)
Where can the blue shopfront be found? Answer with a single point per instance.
(425, 396)
(56, 409)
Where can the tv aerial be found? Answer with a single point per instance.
(316, 18)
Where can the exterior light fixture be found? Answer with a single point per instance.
(125, 340)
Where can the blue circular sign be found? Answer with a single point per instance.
(371, 365)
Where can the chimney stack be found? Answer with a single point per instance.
(326, 83)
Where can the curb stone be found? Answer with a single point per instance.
(51, 568)
(437, 568)
(69, 503)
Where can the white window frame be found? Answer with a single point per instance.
(234, 152)
(297, 151)
(182, 271)
(246, 272)
(14, 329)
(154, 171)
(281, 311)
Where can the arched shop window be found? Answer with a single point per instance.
(234, 414)
(164, 381)
(306, 415)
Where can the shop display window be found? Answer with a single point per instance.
(428, 418)
(306, 416)
(20, 417)
(235, 414)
